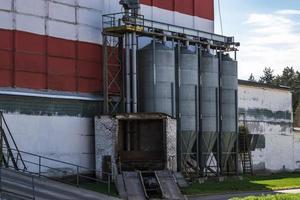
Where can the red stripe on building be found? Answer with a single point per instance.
(42, 62)
(199, 8)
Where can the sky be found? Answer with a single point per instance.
(268, 30)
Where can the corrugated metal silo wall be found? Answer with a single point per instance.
(209, 104)
(157, 79)
(229, 109)
(188, 104)
(56, 45)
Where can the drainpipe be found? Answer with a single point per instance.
(134, 78)
(128, 73)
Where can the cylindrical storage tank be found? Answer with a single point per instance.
(228, 108)
(156, 66)
(188, 105)
(209, 66)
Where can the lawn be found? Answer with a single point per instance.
(249, 183)
(272, 197)
(100, 187)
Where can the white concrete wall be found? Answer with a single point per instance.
(80, 19)
(269, 112)
(68, 139)
(296, 147)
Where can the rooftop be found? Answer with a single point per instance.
(263, 85)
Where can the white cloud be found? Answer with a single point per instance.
(288, 12)
(272, 41)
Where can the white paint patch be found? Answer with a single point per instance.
(89, 34)
(6, 5)
(266, 98)
(30, 24)
(62, 12)
(62, 30)
(33, 7)
(6, 19)
(89, 17)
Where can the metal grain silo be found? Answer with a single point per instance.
(228, 108)
(156, 79)
(209, 67)
(188, 105)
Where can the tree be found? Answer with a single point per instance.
(251, 78)
(290, 78)
(268, 76)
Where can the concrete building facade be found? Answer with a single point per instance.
(267, 110)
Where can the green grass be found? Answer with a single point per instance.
(254, 183)
(100, 187)
(272, 197)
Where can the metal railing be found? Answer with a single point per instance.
(117, 20)
(41, 166)
(67, 173)
(10, 193)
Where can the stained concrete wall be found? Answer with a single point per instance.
(65, 138)
(268, 111)
(106, 141)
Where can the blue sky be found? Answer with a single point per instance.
(269, 32)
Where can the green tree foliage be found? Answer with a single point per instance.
(289, 77)
(268, 76)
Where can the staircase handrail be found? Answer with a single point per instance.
(12, 138)
(77, 167)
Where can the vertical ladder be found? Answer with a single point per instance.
(247, 162)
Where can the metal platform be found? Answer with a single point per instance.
(116, 23)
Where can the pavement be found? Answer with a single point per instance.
(241, 194)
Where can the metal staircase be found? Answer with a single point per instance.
(8, 143)
(25, 175)
(245, 150)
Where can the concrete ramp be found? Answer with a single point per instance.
(169, 186)
(133, 186)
